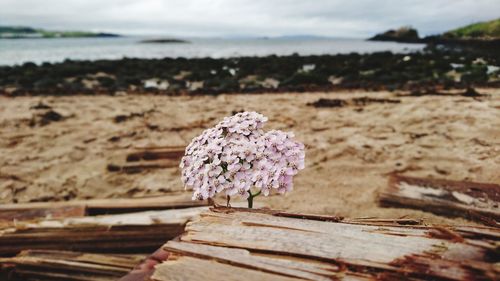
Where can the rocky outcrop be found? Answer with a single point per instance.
(164, 41)
(403, 34)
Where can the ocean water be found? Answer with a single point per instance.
(18, 51)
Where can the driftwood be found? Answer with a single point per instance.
(75, 208)
(138, 167)
(142, 231)
(476, 201)
(148, 159)
(175, 153)
(62, 265)
(242, 244)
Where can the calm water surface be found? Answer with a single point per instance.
(18, 51)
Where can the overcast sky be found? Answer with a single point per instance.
(349, 18)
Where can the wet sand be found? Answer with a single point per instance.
(350, 149)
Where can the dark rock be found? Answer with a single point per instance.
(368, 100)
(403, 34)
(376, 71)
(106, 82)
(45, 83)
(328, 103)
(122, 117)
(306, 79)
(41, 105)
(355, 101)
(51, 116)
(237, 111)
(472, 93)
(418, 92)
(113, 168)
(46, 118)
(114, 139)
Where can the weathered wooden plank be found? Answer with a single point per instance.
(63, 265)
(476, 201)
(9, 212)
(298, 268)
(107, 233)
(188, 268)
(24, 211)
(242, 242)
(307, 237)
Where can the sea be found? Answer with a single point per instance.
(19, 51)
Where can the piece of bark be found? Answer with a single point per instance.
(236, 244)
(475, 201)
(64, 265)
(74, 208)
(138, 167)
(148, 159)
(151, 154)
(122, 233)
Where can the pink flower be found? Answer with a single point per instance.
(237, 156)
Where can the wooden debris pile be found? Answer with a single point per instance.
(70, 266)
(475, 201)
(149, 158)
(241, 244)
(104, 239)
(131, 232)
(79, 240)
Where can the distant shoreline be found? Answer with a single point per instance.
(21, 32)
(65, 37)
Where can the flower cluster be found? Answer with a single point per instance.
(237, 156)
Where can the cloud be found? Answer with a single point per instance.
(360, 18)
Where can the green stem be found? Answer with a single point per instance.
(250, 198)
(250, 201)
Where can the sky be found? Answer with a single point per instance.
(229, 18)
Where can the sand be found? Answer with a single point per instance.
(350, 150)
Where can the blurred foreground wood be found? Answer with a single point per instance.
(124, 233)
(75, 208)
(475, 201)
(62, 265)
(242, 244)
(97, 229)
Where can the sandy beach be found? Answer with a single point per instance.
(350, 149)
